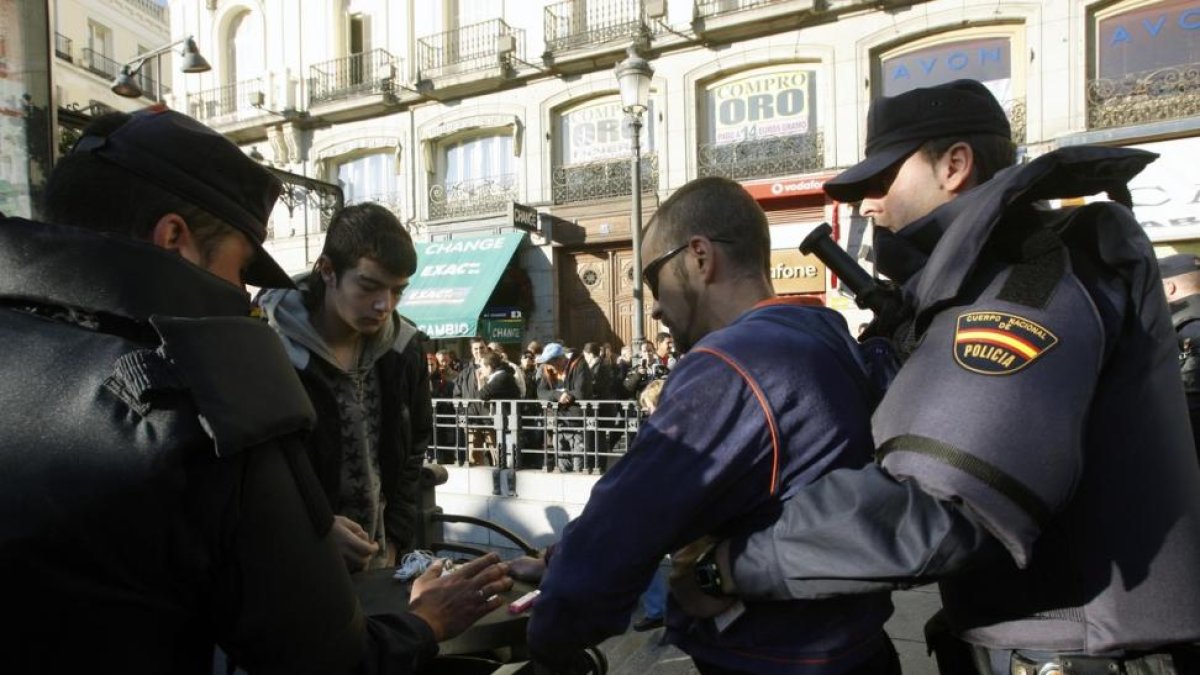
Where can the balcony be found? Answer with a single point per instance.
(354, 87)
(601, 180)
(469, 59)
(1141, 98)
(62, 46)
(763, 158)
(227, 102)
(736, 19)
(571, 25)
(99, 63)
(474, 197)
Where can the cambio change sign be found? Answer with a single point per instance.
(759, 104)
(453, 282)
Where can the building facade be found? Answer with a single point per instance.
(466, 116)
(93, 40)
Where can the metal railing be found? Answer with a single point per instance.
(528, 434)
(474, 197)
(476, 47)
(361, 74)
(706, 8)
(225, 100)
(1147, 96)
(149, 86)
(99, 63)
(154, 10)
(1017, 119)
(601, 180)
(571, 24)
(62, 46)
(392, 201)
(761, 158)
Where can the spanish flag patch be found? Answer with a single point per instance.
(997, 343)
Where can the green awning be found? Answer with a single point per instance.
(453, 282)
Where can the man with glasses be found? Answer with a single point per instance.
(1034, 455)
(769, 398)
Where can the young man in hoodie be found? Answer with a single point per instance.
(363, 366)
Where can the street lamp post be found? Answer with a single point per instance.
(126, 84)
(633, 77)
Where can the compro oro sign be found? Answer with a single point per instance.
(599, 131)
(793, 272)
(764, 103)
(453, 282)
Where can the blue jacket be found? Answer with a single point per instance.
(755, 410)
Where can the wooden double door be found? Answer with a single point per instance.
(596, 297)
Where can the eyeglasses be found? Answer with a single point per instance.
(650, 273)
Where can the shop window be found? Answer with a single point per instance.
(1145, 63)
(371, 178)
(761, 123)
(476, 175)
(593, 148)
(984, 54)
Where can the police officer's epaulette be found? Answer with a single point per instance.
(238, 377)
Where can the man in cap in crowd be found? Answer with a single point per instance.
(364, 369)
(769, 397)
(156, 493)
(1181, 283)
(1040, 384)
(565, 379)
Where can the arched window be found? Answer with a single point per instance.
(1145, 63)
(593, 146)
(476, 174)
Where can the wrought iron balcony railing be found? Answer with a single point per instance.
(475, 197)
(571, 24)
(1016, 120)
(62, 46)
(99, 63)
(361, 74)
(227, 100)
(1148, 96)
(707, 8)
(475, 47)
(762, 158)
(601, 180)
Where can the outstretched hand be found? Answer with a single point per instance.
(450, 604)
(684, 588)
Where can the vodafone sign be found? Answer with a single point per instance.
(787, 187)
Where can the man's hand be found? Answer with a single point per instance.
(694, 601)
(352, 540)
(527, 568)
(565, 399)
(451, 603)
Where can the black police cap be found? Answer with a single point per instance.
(898, 125)
(1180, 263)
(202, 167)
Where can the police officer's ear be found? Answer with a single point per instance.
(955, 169)
(171, 232)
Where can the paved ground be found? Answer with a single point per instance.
(641, 654)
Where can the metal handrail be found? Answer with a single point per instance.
(474, 47)
(99, 63)
(707, 8)
(1146, 96)
(570, 24)
(365, 73)
(62, 46)
(474, 197)
(225, 100)
(601, 180)
(763, 157)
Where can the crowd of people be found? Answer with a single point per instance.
(185, 469)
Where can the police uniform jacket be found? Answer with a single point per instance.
(1034, 453)
(756, 410)
(154, 500)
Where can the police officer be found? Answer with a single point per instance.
(1033, 454)
(1181, 283)
(155, 497)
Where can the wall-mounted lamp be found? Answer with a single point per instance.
(126, 82)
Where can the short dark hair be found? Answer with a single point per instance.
(479, 339)
(991, 152)
(662, 336)
(492, 360)
(718, 208)
(89, 192)
(365, 230)
(591, 348)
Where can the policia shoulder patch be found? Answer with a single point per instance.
(998, 343)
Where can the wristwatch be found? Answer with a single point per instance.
(708, 573)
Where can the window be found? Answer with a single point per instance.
(760, 123)
(593, 147)
(984, 54)
(1145, 63)
(475, 175)
(100, 39)
(369, 178)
